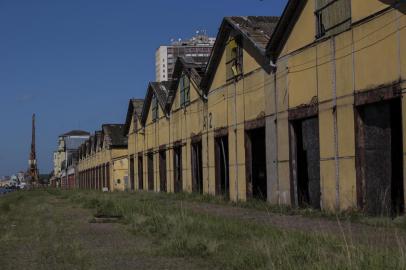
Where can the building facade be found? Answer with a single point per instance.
(66, 157)
(305, 110)
(198, 48)
(193, 128)
(103, 160)
(335, 112)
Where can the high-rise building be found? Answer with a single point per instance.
(198, 48)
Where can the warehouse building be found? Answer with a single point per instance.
(305, 110)
(103, 163)
(193, 128)
(335, 109)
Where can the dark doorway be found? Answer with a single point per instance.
(104, 176)
(256, 163)
(222, 166)
(162, 170)
(197, 168)
(140, 172)
(132, 173)
(306, 162)
(177, 170)
(108, 176)
(380, 158)
(150, 171)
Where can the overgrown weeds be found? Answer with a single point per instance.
(226, 243)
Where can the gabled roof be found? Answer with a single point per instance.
(134, 108)
(115, 133)
(164, 93)
(255, 31)
(195, 71)
(73, 143)
(284, 27)
(88, 145)
(98, 135)
(75, 133)
(93, 143)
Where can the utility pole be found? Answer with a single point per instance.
(32, 163)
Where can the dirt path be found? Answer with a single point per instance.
(350, 232)
(47, 232)
(112, 246)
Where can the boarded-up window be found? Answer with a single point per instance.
(155, 113)
(135, 122)
(184, 86)
(234, 59)
(333, 16)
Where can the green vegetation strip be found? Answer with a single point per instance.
(177, 232)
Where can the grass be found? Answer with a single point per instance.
(207, 241)
(31, 233)
(352, 215)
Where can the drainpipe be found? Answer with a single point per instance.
(236, 141)
(276, 138)
(336, 158)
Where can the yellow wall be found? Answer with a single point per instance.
(300, 38)
(120, 174)
(326, 73)
(228, 106)
(330, 72)
(117, 160)
(361, 9)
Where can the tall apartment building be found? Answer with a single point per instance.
(198, 48)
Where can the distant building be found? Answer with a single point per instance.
(103, 163)
(66, 156)
(198, 48)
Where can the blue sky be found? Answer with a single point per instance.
(75, 63)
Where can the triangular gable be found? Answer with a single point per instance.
(284, 28)
(254, 33)
(98, 135)
(162, 91)
(134, 110)
(113, 135)
(194, 72)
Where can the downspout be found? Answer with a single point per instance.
(276, 138)
(235, 138)
(336, 158)
(207, 144)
